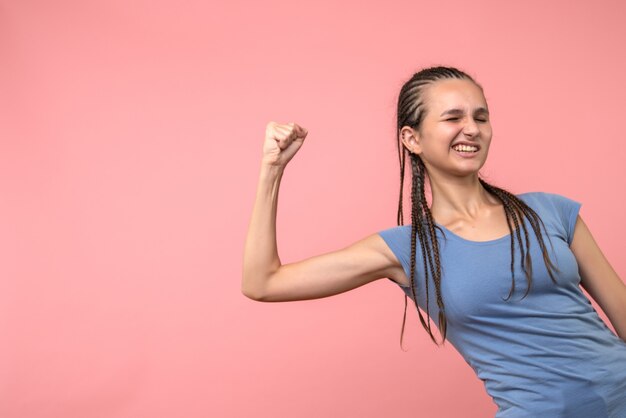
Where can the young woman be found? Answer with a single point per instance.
(500, 273)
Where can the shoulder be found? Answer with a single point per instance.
(554, 208)
(398, 239)
(539, 196)
(548, 201)
(396, 232)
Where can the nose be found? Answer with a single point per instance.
(470, 128)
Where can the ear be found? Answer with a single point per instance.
(411, 140)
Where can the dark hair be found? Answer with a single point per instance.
(410, 112)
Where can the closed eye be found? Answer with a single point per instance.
(482, 120)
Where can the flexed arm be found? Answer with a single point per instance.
(264, 277)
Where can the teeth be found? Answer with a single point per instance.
(465, 148)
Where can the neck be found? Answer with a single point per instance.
(459, 197)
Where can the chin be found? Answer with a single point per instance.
(467, 171)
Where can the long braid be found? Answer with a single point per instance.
(509, 215)
(400, 219)
(411, 109)
(536, 223)
(416, 229)
(432, 236)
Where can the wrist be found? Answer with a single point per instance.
(271, 170)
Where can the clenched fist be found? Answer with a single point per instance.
(282, 142)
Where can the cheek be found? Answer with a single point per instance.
(439, 139)
(486, 145)
(447, 134)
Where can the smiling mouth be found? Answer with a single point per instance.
(469, 149)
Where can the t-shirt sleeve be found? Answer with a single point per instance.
(398, 239)
(567, 210)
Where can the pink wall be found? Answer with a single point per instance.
(130, 138)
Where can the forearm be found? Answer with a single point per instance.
(260, 252)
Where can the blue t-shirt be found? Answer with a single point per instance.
(548, 354)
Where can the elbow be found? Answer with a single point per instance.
(252, 292)
(255, 284)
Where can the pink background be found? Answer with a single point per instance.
(130, 140)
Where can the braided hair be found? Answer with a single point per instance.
(410, 112)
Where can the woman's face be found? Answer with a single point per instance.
(455, 132)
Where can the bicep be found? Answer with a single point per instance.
(598, 278)
(332, 273)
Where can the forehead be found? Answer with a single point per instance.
(444, 94)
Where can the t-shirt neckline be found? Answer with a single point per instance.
(468, 241)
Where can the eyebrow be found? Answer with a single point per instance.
(460, 111)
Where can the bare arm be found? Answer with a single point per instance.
(598, 277)
(265, 278)
(261, 258)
